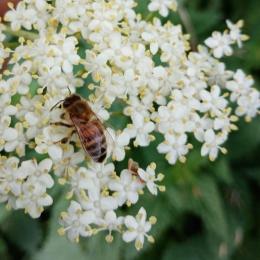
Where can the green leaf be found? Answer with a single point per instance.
(57, 247)
(209, 206)
(180, 198)
(242, 143)
(204, 200)
(3, 249)
(253, 173)
(23, 231)
(222, 170)
(195, 248)
(4, 213)
(199, 17)
(195, 162)
(249, 249)
(97, 248)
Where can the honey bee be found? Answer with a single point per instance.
(89, 128)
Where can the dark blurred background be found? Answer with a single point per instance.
(209, 211)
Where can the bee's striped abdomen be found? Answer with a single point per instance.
(93, 139)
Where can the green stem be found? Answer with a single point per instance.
(185, 17)
(21, 33)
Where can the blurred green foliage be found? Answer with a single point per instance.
(209, 211)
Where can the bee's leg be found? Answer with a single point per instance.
(62, 116)
(67, 139)
(64, 140)
(61, 124)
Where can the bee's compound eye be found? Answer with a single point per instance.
(70, 100)
(66, 103)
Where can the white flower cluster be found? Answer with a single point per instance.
(24, 186)
(220, 43)
(99, 191)
(64, 42)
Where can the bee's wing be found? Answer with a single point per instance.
(110, 137)
(91, 135)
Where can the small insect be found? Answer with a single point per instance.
(88, 127)
(133, 166)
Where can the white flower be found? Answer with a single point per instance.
(220, 44)
(33, 196)
(19, 142)
(32, 114)
(225, 122)
(175, 147)
(140, 130)
(69, 161)
(70, 13)
(247, 98)
(162, 6)
(5, 105)
(29, 14)
(49, 141)
(22, 77)
(11, 178)
(153, 38)
(100, 111)
(126, 188)
(235, 32)
(33, 199)
(8, 135)
(249, 105)
(240, 85)
(137, 229)
(149, 178)
(76, 222)
(178, 115)
(219, 75)
(212, 101)
(97, 202)
(38, 173)
(212, 142)
(81, 179)
(21, 16)
(117, 144)
(101, 173)
(111, 222)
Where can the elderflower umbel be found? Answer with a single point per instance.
(106, 43)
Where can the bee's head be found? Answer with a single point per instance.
(68, 101)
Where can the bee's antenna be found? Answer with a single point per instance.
(56, 104)
(69, 90)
